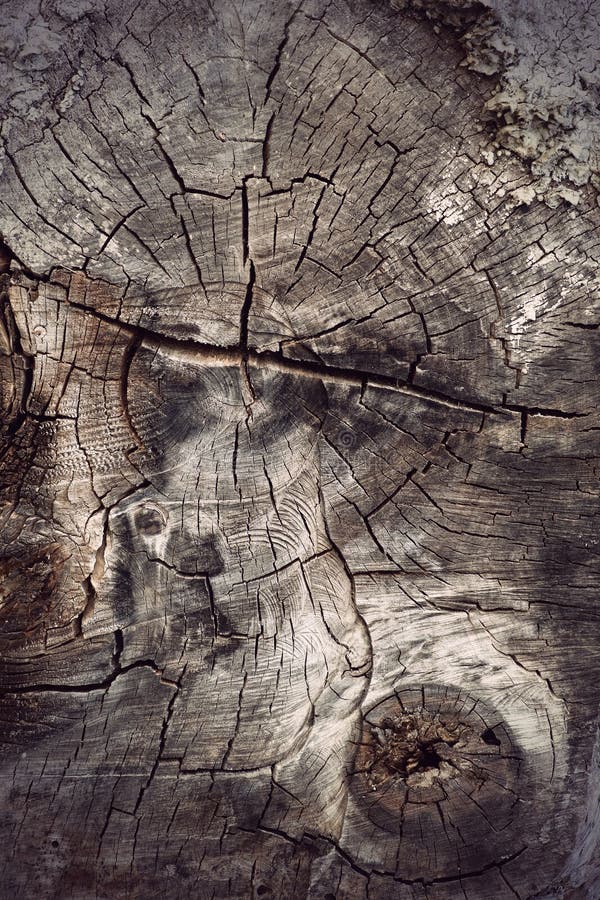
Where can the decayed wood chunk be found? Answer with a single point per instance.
(298, 528)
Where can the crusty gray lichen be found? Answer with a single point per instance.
(545, 106)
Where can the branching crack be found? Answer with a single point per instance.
(88, 687)
(161, 738)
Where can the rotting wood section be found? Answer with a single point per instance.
(299, 468)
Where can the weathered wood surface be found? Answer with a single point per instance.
(299, 467)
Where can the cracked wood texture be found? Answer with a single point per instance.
(299, 517)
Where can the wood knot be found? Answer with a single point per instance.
(29, 587)
(150, 519)
(412, 746)
(436, 768)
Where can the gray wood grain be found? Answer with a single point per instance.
(299, 516)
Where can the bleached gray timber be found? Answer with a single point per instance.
(299, 457)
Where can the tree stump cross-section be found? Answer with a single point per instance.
(299, 499)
